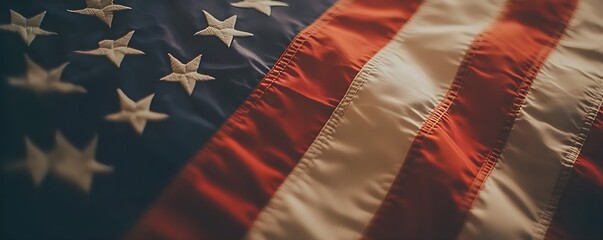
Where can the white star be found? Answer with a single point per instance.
(102, 9)
(28, 29)
(263, 6)
(64, 160)
(115, 50)
(36, 162)
(223, 30)
(39, 80)
(77, 167)
(186, 74)
(137, 113)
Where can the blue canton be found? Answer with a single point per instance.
(79, 66)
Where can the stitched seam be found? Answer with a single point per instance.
(435, 118)
(494, 155)
(318, 146)
(273, 75)
(570, 157)
(430, 122)
(326, 134)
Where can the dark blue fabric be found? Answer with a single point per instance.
(143, 164)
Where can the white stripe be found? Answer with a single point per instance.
(515, 202)
(340, 182)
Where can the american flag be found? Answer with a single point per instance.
(301, 119)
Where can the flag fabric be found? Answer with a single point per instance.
(291, 119)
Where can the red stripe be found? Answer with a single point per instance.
(580, 211)
(222, 190)
(462, 138)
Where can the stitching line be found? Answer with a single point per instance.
(434, 119)
(430, 122)
(272, 76)
(493, 156)
(547, 212)
(326, 134)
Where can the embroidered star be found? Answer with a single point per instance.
(64, 160)
(41, 81)
(263, 6)
(137, 113)
(186, 74)
(223, 30)
(75, 166)
(28, 29)
(102, 9)
(115, 50)
(36, 162)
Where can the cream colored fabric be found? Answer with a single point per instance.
(519, 198)
(340, 182)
